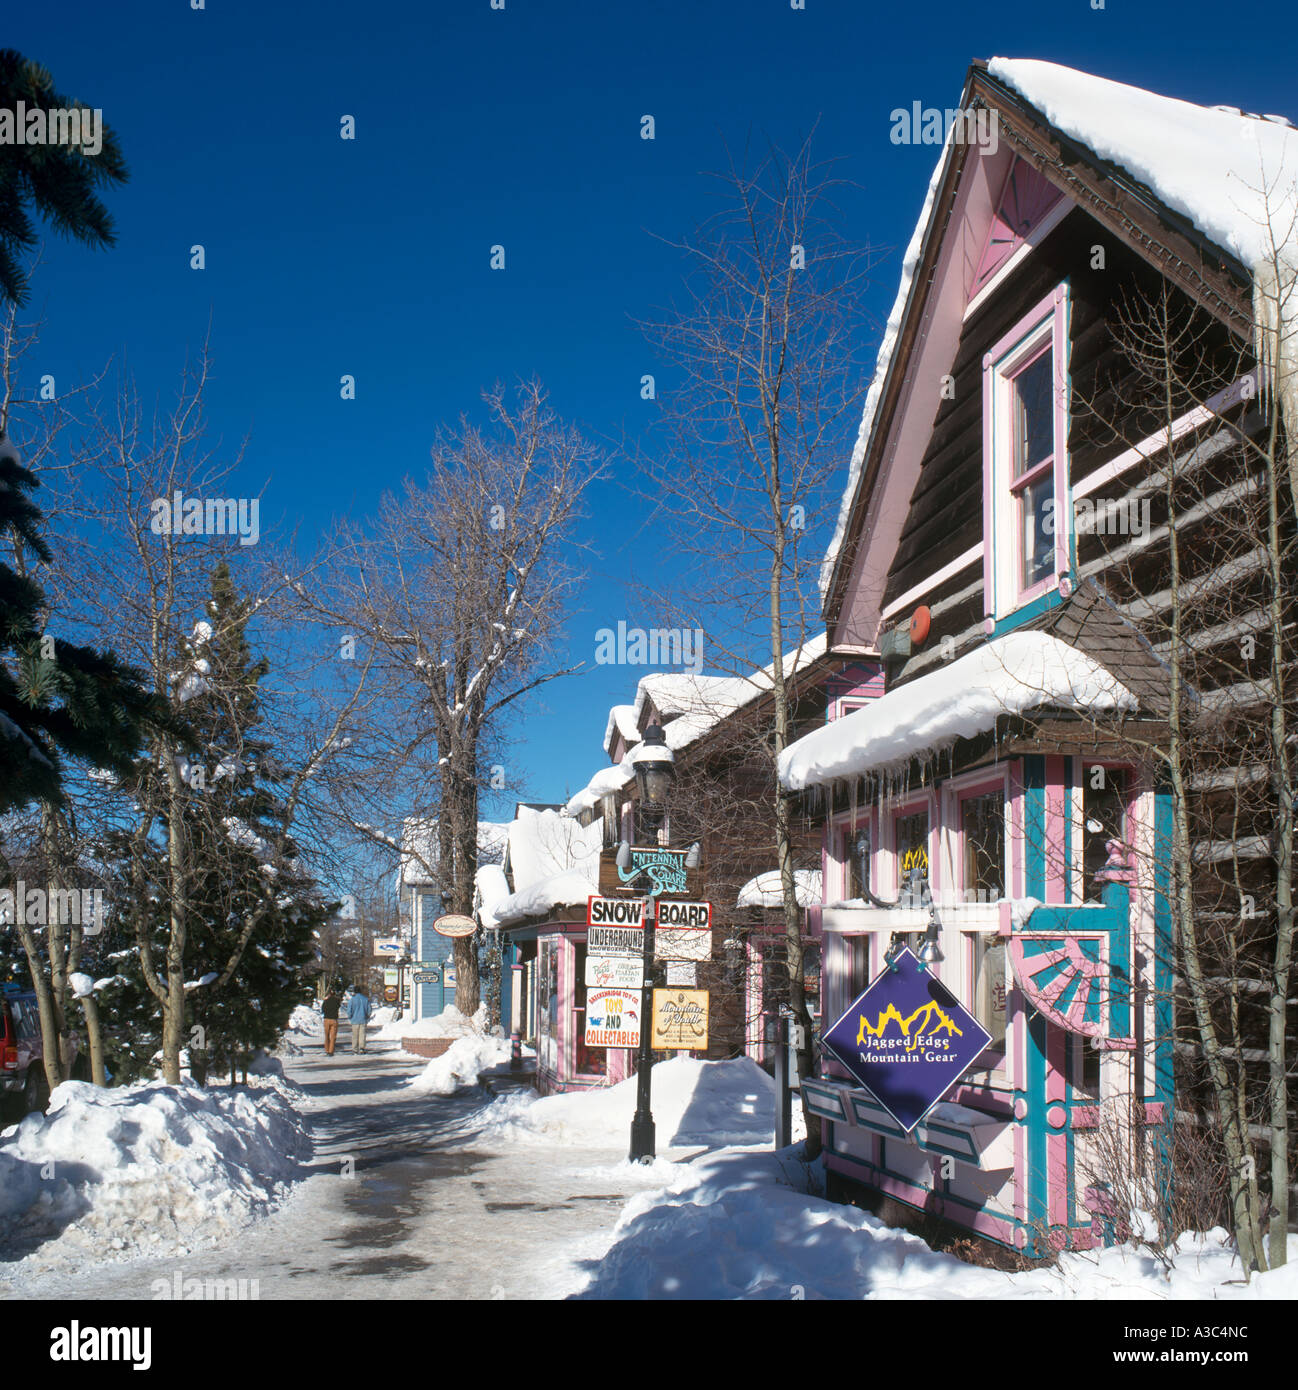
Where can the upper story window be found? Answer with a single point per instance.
(982, 839)
(1025, 466)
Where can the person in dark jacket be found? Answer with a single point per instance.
(329, 1009)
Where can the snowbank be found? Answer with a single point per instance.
(462, 1064)
(753, 1230)
(304, 1019)
(450, 1023)
(694, 1102)
(149, 1169)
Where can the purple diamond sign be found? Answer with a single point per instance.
(907, 1039)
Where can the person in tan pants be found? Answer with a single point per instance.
(329, 1010)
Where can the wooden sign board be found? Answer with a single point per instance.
(664, 873)
(680, 1019)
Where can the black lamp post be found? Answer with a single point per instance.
(655, 772)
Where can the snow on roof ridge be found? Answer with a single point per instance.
(1195, 159)
(1021, 671)
(624, 719)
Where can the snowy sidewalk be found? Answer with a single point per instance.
(404, 1201)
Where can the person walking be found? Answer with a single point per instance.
(329, 1011)
(358, 1012)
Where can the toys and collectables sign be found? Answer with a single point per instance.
(613, 1018)
(907, 1039)
(680, 1019)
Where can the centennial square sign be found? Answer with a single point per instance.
(907, 1039)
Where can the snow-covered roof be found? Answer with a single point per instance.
(623, 719)
(1010, 675)
(696, 704)
(1213, 164)
(493, 889)
(1233, 175)
(554, 860)
(419, 848)
(765, 889)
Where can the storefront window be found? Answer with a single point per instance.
(856, 862)
(912, 847)
(982, 821)
(591, 1061)
(989, 987)
(548, 1031)
(1104, 815)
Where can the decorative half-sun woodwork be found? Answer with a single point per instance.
(1064, 978)
(1025, 199)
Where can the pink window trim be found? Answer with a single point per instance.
(997, 370)
(909, 807)
(992, 780)
(835, 853)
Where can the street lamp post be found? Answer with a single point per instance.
(655, 773)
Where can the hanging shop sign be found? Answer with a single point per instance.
(391, 975)
(683, 974)
(907, 1039)
(654, 871)
(615, 941)
(612, 1018)
(390, 994)
(680, 1019)
(615, 912)
(426, 977)
(684, 931)
(455, 924)
(389, 946)
(614, 972)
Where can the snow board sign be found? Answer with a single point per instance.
(907, 1039)
(455, 924)
(613, 1018)
(615, 912)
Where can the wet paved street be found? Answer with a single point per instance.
(404, 1201)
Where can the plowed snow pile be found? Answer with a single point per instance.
(693, 1102)
(149, 1169)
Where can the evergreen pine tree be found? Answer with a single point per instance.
(58, 180)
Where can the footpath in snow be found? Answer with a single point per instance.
(361, 1176)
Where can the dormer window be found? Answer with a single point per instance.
(1025, 472)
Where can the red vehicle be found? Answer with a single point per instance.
(22, 1066)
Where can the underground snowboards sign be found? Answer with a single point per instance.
(615, 926)
(613, 1018)
(907, 1039)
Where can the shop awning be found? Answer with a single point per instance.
(1012, 675)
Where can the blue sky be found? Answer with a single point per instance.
(518, 127)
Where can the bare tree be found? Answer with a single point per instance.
(765, 351)
(454, 595)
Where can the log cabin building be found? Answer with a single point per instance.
(1054, 537)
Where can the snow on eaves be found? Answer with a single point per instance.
(554, 861)
(1214, 165)
(765, 890)
(623, 719)
(1008, 676)
(492, 890)
(690, 705)
(1235, 177)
